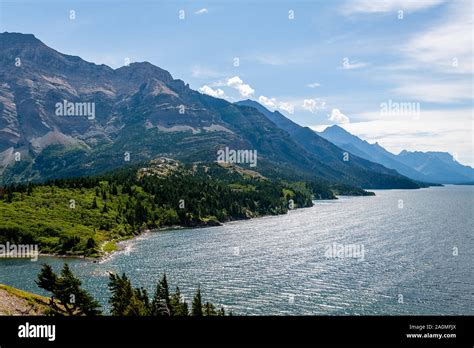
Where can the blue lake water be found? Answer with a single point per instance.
(418, 258)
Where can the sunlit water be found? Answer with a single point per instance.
(277, 265)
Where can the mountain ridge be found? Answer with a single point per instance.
(140, 110)
(430, 166)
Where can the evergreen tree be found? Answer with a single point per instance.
(91, 244)
(197, 304)
(161, 300)
(68, 298)
(209, 310)
(9, 196)
(177, 305)
(113, 190)
(122, 293)
(136, 307)
(47, 279)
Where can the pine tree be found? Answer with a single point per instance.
(177, 305)
(68, 298)
(122, 293)
(209, 309)
(136, 307)
(9, 196)
(197, 304)
(47, 279)
(113, 190)
(161, 300)
(91, 244)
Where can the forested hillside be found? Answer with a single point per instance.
(87, 215)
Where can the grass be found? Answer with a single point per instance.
(52, 215)
(37, 303)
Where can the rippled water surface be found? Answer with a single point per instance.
(277, 265)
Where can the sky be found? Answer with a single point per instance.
(396, 72)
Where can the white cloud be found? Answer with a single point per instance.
(346, 65)
(381, 6)
(244, 89)
(201, 11)
(436, 92)
(447, 46)
(288, 107)
(338, 117)
(274, 104)
(270, 103)
(436, 63)
(216, 93)
(313, 85)
(448, 130)
(313, 105)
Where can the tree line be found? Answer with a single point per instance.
(121, 204)
(68, 298)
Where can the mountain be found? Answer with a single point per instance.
(61, 116)
(439, 167)
(372, 152)
(325, 151)
(435, 167)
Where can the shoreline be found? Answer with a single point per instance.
(121, 247)
(121, 244)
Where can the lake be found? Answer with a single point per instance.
(401, 252)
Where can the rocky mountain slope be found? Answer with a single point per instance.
(61, 116)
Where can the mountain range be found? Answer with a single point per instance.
(139, 112)
(428, 167)
(434, 167)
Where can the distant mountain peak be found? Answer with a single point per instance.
(144, 71)
(11, 37)
(338, 134)
(336, 128)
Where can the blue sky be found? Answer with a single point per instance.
(334, 62)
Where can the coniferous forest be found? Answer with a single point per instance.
(87, 216)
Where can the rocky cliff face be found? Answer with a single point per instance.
(62, 116)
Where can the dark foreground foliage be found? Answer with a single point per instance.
(68, 298)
